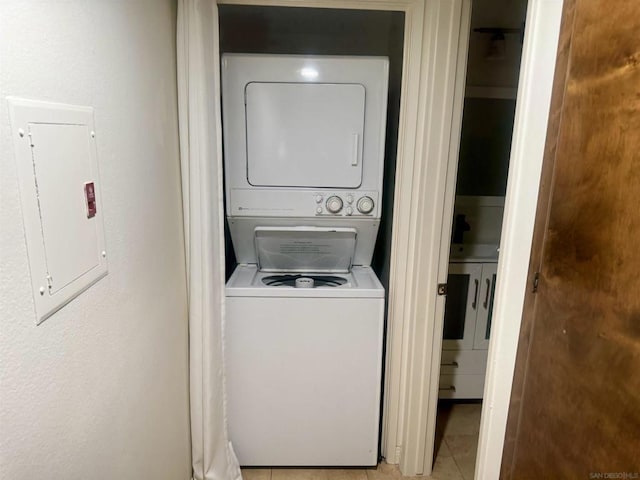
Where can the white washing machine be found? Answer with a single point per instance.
(304, 367)
(304, 150)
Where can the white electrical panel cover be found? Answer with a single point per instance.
(61, 203)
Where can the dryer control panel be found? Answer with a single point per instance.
(345, 203)
(304, 203)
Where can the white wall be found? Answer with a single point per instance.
(99, 390)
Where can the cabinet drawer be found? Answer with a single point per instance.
(454, 362)
(461, 386)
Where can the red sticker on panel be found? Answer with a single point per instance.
(90, 197)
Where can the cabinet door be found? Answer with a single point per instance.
(461, 306)
(485, 306)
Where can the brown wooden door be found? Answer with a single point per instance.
(575, 405)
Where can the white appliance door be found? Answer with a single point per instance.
(304, 134)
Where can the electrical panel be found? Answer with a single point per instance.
(61, 203)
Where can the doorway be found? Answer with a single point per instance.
(431, 41)
(495, 50)
(435, 36)
(250, 29)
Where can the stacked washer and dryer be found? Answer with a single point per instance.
(303, 155)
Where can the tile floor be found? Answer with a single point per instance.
(456, 444)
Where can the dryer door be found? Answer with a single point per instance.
(304, 134)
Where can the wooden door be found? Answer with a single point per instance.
(575, 404)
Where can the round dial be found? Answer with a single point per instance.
(365, 205)
(334, 204)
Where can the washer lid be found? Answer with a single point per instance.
(305, 249)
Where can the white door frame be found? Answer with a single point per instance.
(433, 73)
(527, 149)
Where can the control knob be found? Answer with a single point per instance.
(334, 204)
(365, 205)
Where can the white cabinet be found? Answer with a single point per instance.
(485, 306)
(463, 289)
(467, 326)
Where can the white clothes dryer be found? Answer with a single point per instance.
(304, 135)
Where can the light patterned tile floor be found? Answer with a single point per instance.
(457, 431)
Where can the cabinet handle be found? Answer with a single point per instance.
(486, 298)
(451, 387)
(475, 295)
(452, 364)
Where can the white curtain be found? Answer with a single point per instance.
(201, 162)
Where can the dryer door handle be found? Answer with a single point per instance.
(356, 148)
